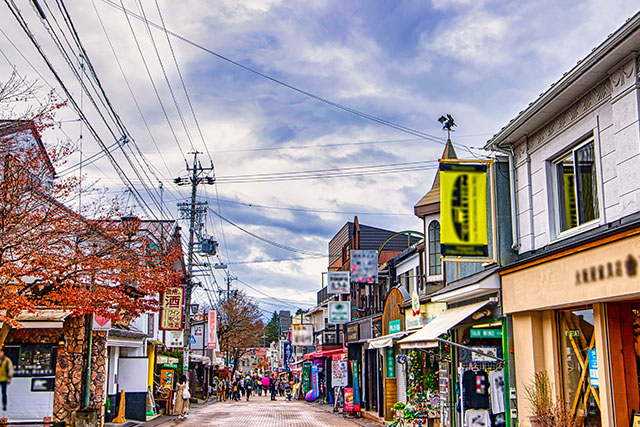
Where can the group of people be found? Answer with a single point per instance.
(240, 386)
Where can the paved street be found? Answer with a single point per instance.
(262, 412)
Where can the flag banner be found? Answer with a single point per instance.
(338, 282)
(302, 335)
(212, 330)
(463, 210)
(364, 266)
(339, 312)
(172, 312)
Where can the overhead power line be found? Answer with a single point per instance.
(405, 129)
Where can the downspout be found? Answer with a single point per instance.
(512, 190)
(87, 378)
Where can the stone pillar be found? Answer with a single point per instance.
(70, 369)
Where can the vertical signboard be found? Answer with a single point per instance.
(594, 380)
(463, 210)
(339, 373)
(364, 266)
(315, 386)
(287, 356)
(390, 362)
(356, 385)
(302, 335)
(212, 330)
(338, 282)
(339, 312)
(171, 314)
(306, 378)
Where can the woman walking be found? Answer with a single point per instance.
(183, 395)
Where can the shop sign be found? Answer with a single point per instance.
(572, 333)
(171, 313)
(197, 330)
(170, 365)
(339, 312)
(477, 357)
(306, 378)
(348, 400)
(356, 385)
(338, 282)
(315, 387)
(364, 266)
(352, 332)
(175, 339)
(302, 335)
(613, 269)
(390, 362)
(101, 323)
(212, 330)
(486, 333)
(395, 326)
(593, 368)
(463, 209)
(339, 373)
(287, 355)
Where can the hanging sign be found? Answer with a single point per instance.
(338, 282)
(390, 362)
(463, 209)
(339, 312)
(171, 313)
(175, 339)
(302, 335)
(212, 330)
(364, 266)
(287, 356)
(339, 373)
(101, 323)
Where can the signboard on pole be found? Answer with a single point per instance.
(175, 339)
(287, 355)
(463, 210)
(338, 282)
(364, 266)
(302, 335)
(101, 323)
(339, 372)
(172, 312)
(339, 312)
(212, 330)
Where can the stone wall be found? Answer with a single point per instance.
(71, 365)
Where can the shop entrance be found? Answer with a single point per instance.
(580, 381)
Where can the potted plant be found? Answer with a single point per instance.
(538, 393)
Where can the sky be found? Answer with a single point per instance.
(405, 62)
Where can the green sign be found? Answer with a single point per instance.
(306, 378)
(573, 333)
(390, 362)
(486, 333)
(170, 365)
(339, 312)
(395, 326)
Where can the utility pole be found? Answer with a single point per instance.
(193, 211)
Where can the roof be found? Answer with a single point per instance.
(587, 73)
(126, 333)
(432, 198)
(466, 281)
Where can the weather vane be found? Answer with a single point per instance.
(447, 124)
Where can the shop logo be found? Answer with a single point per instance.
(620, 268)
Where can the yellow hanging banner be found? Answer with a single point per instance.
(463, 209)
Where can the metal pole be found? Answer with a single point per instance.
(189, 287)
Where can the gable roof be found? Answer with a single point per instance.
(430, 202)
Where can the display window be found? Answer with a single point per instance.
(580, 382)
(32, 360)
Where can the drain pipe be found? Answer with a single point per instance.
(87, 378)
(512, 189)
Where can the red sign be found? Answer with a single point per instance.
(212, 334)
(348, 400)
(172, 312)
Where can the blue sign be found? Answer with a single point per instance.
(192, 339)
(593, 369)
(315, 387)
(287, 355)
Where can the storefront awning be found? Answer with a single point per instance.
(297, 362)
(426, 337)
(199, 359)
(325, 353)
(49, 319)
(386, 340)
(162, 359)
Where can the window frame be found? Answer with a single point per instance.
(557, 221)
(429, 253)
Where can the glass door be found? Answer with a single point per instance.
(580, 382)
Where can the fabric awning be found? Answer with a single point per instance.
(161, 359)
(386, 340)
(325, 353)
(297, 362)
(448, 319)
(199, 359)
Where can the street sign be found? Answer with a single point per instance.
(339, 312)
(338, 282)
(192, 339)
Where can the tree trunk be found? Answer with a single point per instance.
(4, 332)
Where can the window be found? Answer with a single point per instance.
(435, 264)
(577, 187)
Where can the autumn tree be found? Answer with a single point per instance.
(51, 256)
(239, 327)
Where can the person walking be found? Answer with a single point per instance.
(183, 395)
(265, 384)
(248, 385)
(272, 388)
(6, 375)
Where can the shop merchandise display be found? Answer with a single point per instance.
(483, 394)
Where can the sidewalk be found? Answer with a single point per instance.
(161, 420)
(364, 422)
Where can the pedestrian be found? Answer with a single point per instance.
(6, 375)
(248, 385)
(281, 387)
(265, 384)
(272, 388)
(183, 395)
